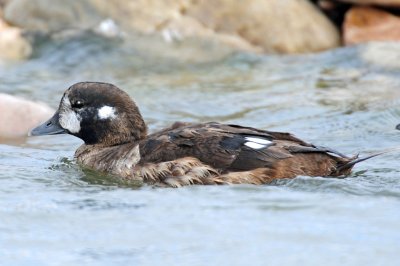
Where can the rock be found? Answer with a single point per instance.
(12, 43)
(393, 3)
(2, 4)
(18, 116)
(274, 25)
(290, 26)
(51, 15)
(363, 24)
(383, 55)
(335, 11)
(270, 26)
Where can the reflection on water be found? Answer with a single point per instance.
(54, 211)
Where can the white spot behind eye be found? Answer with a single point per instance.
(68, 118)
(106, 112)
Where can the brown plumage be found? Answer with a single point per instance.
(116, 141)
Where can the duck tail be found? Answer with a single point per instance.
(344, 168)
(347, 166)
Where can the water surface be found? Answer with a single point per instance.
(55, 213)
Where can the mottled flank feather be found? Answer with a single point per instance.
(177, 173)
(118, 160)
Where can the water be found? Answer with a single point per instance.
(54, 213)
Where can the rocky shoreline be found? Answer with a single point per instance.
(275, 26)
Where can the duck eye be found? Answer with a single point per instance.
(78, 104)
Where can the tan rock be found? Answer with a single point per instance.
(374, 2)
(290, 26)
(18, 116)
(363, 24)
(272, 26)
(12, 43)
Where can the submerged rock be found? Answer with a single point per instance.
(363, 24)
(18, 116)
(290, 26)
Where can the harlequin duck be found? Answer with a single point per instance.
(116, 141)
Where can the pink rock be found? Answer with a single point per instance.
(363, 24)
(18, 116)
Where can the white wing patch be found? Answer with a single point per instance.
(106, 112)
(258, 140)
(256, 143)
(68, 118)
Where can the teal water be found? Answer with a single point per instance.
(54, 213)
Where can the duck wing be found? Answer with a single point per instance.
(231, 148)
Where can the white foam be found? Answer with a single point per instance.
(108, 28)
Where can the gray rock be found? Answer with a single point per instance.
(51, 15)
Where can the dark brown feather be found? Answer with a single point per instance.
(222, 147)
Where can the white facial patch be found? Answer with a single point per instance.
(106, 112)
(257, 143)
(68, 118)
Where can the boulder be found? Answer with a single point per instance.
(13, 45)
(269, 26)
(290, 26)
(363, 24)
(18, 116)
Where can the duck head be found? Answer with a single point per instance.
(97, 113)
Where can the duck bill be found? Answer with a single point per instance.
(398, 127)
(50, 127)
